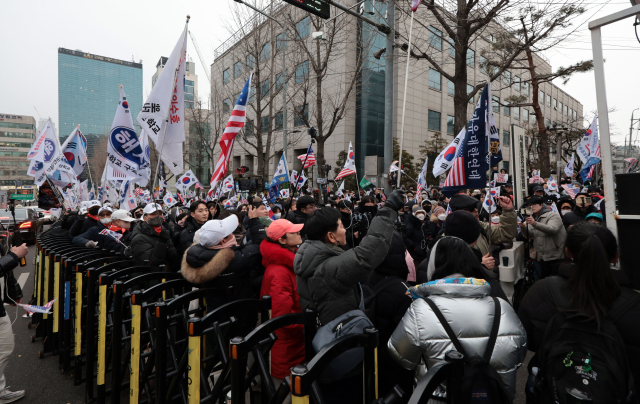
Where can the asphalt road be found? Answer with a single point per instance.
(41, 378)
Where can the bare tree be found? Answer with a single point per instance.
(199, 152)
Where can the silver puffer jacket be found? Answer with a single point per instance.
(469, 310)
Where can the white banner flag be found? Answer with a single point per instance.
(186, 181)
(444, 161)
(227, 185)
(124, 153)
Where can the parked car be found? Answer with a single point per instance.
(46, 217)
(5, 240)
(26, 220)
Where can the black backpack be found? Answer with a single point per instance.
(579, 362)
(480, 382)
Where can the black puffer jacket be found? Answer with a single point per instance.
(104, 241)
(11, 286)
(577, 215)
(186, 235)
(391, 304)
(538, 307)
(417, 236)
(149, 245)
(300, 218)
(82, 225)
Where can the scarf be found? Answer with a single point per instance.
(94, 217)
(231, 243)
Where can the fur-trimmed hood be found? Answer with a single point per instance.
(276, 255)
(201, 265)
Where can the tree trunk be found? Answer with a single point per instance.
(460, 97)
(543, 152)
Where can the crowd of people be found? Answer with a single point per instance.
(422, 268)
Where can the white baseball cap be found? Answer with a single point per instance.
(123, 215)
(93, 204)
(212, 232)
(104, 209)
(151, 207)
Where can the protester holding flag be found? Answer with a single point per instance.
(96, 239)
(545, 228)
(91, 220)
(12, 290)
(123, 223)
(151, 242)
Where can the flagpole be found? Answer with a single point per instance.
(404, 101)
(301, 171)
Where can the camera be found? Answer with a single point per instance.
(526, 211)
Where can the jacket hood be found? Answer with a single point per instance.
(145, 228)
(451, 287)
(544, 209)
(310, 255)
(276, 255)
(200, 264)
(191, 225)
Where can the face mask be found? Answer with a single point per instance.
(442, 218)
(94, 211)
(420, 216)
(155, 221)
(105, 220)
(278, 215)
(495, 219)
(564, 212)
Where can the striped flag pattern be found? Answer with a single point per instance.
(349, 166)
(235, 124)
(570, 191)
(456, 176)
(311, 160)
(593, 167)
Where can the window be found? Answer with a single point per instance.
(516, 83)
(434, 121)
(302, 72)
(304, 27)
(264, 88)
(249, 128)
(251, 62)
(548, 101)
(452, 47)
(278, 121)
(279, 81)
(525, 115)
(566, 110)
(505, 165)
(507, 77)
(435, 38)
(483, 65)
(507, 111)
(265, 53)
(525, 87)
(541, 100)
(506, 137)
(435, 80)
(471, 57)
(226, 106)
(533, 118)
(265, 124)
(451, 88)
(237, 69)
(516, 113)
(469, 90)
(304, 111)
(555, 104)
(495, 103)
(226, 76)
(281, 41)
(450, 122)
(561, 107)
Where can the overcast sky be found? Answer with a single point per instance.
(33, 30)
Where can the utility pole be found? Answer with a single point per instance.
(388, 95)
(285, 145)
(627, 153)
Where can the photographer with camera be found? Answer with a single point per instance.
(544, 227)
(584, 206)
(350, 223)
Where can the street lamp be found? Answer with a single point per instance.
(285, 146)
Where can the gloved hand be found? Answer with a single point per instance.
(91, 244)
(395, 201)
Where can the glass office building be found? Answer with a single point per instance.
(88, 92)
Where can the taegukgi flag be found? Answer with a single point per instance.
(75, 151)
(444, 161)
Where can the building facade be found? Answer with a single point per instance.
(88, 92)
(17, 134)
(190, 83)
(429, 106)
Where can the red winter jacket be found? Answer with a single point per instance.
(279, 282)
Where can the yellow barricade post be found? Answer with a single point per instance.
(193, 369)
(102, 336)
(77, 322)
(134, 388)
(56, 292)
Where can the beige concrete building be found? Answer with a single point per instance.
(430, 107)
(17, 134)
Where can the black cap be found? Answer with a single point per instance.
(508, 184)
(344, 204)
(463, 225)
(305, 201)
(538, 188)
(462, 201)
(536, 200)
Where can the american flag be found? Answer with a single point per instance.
(311, 160)
(593, 167)
(117, 174)
(456, 176)
(349, 166)
(570, 191)
(441, 183)
(138, 192)
(235, 124)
